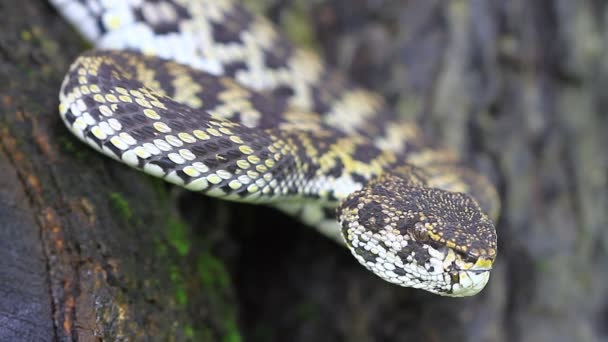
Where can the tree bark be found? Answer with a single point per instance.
(91, 249)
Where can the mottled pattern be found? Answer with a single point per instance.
(414, 235)
(242, 114)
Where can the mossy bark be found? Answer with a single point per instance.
(90, 248)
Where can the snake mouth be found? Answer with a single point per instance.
(468, 278)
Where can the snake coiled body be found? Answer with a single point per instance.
(212, 98)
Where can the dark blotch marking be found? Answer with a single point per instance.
(371, 216)
(336, 171)
(399, 271)
(232, 68)
(367, 255)
(224, 143)
(366, 153)
(211, 146)
(198, 150)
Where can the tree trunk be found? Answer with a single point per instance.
(88, 248)
(92, 249)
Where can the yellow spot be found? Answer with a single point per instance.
(158, 104)
(125, 98)
(225, 130)
(112, 98)
(253, 159)
(253, 188)
(151, 113)
(97, 132)
(116, 141)
(176, 158)
(245, 149)
(82, 80)
(80, 124)
(243, 164)
(187, 154)
(252, 174)
(236, 139)
(126, 137)
(214, 132)
(99, 98)
(261, 168)
(224, 174)
(113, 22)
(136, 93)
(174, 141)
(143, 102)
(161, 127)
(484, 263)
(94, 88)
(186, 137)
(269, 162)
(122, 90)
(214, 179)
(190, 171)
(234, 185)
(201, 135)
(62, 108)
(141, 152)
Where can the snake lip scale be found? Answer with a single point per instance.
(211, 97)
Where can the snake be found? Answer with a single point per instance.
(211, 97)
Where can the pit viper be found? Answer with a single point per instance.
(206, 95)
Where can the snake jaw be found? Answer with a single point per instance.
(420, 237)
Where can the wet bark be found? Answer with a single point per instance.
(91, 249)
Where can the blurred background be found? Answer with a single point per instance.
(518, 87)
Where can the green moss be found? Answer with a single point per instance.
(295, 21)
(215, 282)
(232, 332)
(205, 335)
(181, 297)
(189, 331)
(73, 147)
(161, 248)
(175, 247)
(297, 25)
(177, 235)
(121, 204)
(211, 272)
(26, 35)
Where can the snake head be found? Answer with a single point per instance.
(420, 237)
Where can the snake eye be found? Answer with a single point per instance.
(420, 233)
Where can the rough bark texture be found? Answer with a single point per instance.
(89, 248)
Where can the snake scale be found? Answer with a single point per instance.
(209, 96)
